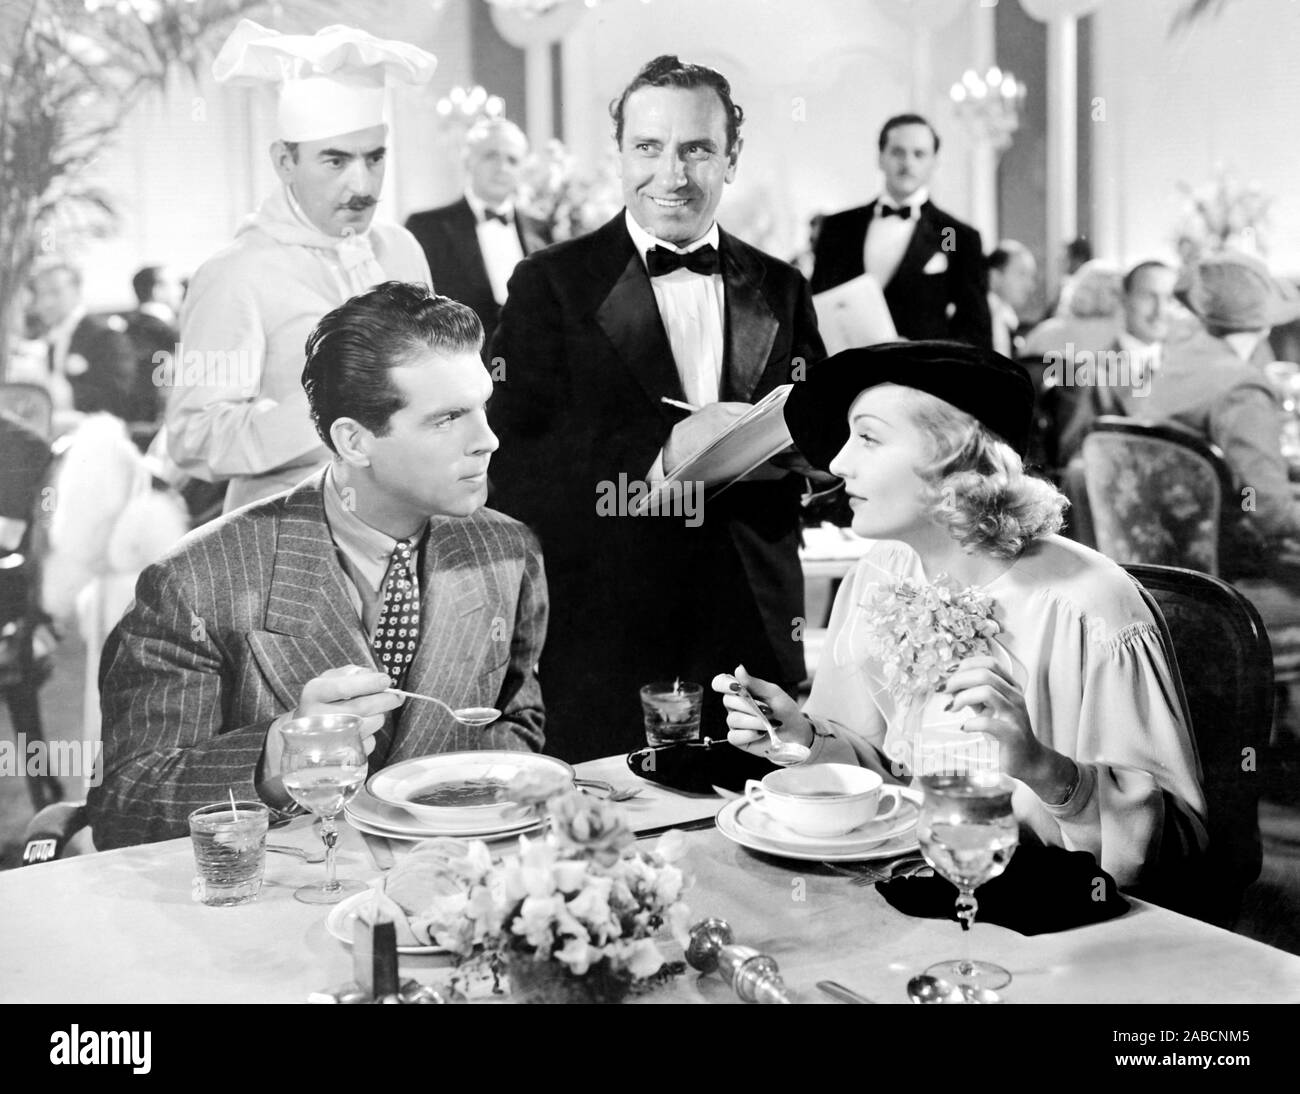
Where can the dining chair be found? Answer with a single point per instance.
(1158, 493)
(27, 637)
(1214, 638)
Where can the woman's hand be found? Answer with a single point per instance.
(983, 686)
(744, 730)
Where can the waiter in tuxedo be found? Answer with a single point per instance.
(929, 263)
(474, 244)
(596, 333)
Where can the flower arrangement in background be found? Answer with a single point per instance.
(1223, 214)
(570, 199)
(921, 632)
(573, 917)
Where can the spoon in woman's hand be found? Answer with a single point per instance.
(469, 716)
(932, 989)
(782, 753)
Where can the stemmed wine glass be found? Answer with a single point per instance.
(968, 833)
(323, 765)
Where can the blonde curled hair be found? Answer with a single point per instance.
(977, 483)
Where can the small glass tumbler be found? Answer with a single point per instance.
(672, 711)
(229, 852)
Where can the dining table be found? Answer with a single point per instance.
(121, 926)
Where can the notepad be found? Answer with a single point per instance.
(854, 314)
(749, 441)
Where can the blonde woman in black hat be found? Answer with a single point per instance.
(1073, 698)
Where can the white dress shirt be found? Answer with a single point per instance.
(498, 243)
(1144, 358)
(888, 237)
(1005, 324)
(692, 307)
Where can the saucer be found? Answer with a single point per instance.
(852, 848)
(417, 837)
(754, 822)
(394, 820)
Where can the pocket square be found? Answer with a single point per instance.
(938, 263)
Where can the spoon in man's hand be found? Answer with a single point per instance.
(469, 716)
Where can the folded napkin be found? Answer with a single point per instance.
(697, 767)
(1043, 889)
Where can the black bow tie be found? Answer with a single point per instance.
(903, 213)
(488, 214)
(703, 260)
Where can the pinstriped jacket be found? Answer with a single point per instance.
(228, 627)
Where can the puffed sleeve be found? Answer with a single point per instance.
(843, 707)
(1121, 720)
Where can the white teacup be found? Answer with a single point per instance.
(823, 800)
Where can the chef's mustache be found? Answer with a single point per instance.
(359, 204)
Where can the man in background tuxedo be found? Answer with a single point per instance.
(930, 264)
(1013, 276)
(152, 328)
(474, 244)
(596, 333)
(91, 362)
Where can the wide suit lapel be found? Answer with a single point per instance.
(924, 242)
(629, 315)
(311, 626)
(751, 326)
(447, 662)
(310, 623)
(462, 240)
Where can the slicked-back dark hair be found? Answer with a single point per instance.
(353, 347)
(906, 119)
(667, 71)
(143, 282)
(1130, 278)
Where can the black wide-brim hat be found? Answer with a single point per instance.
(991, 388)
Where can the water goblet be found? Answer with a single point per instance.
(323, 766)
(968, 833)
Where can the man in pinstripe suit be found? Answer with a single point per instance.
(271, 611)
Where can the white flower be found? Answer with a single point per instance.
(679, 922)
(569, 875)
(668, 885)
(536, 920)
(578, 954)
(643, 958)
(671, 845)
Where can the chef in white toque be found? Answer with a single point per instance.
(236, 409)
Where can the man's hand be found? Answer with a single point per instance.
(347, 690)
(691, 435)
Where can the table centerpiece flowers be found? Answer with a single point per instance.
(572, 917)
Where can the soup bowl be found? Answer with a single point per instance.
(465, 791)
(824, 800)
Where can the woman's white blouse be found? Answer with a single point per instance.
(1079, 640)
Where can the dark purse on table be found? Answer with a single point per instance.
(696, 767)
(1043, 889)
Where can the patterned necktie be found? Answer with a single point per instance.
(903, 212)
(702, 260)
(398, 631)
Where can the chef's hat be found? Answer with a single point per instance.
(332, 82)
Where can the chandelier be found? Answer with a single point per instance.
(989, 105)
(462, 107)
